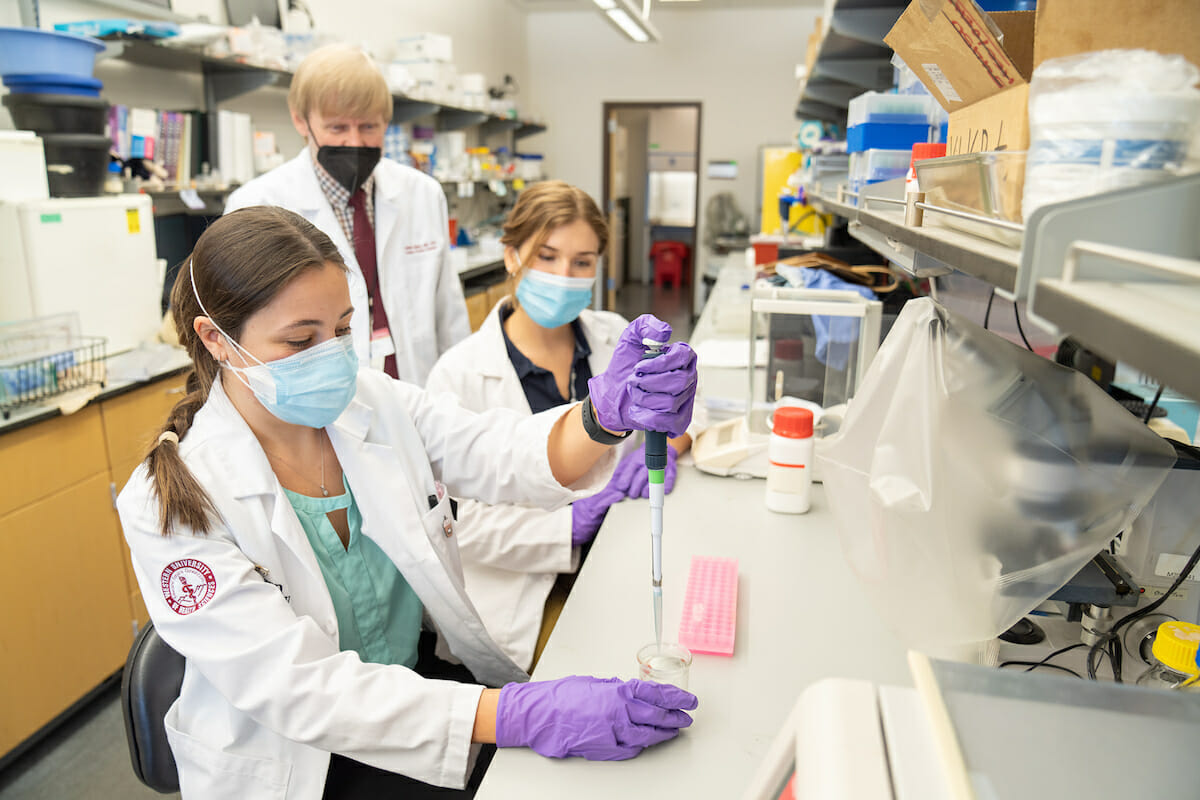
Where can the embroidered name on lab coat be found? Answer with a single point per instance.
(424, 247)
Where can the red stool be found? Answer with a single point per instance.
(670, 261)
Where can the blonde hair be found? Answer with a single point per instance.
(541, 209)
(340, 80)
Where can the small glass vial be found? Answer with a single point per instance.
(789, 457)
(1174, 650)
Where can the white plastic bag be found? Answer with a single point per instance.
(971, 478)
(1107, 120)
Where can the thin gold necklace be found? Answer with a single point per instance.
(321, 443)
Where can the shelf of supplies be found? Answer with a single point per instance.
(226, 78)
(851, 58)
(168, 202)
(989, 261)
(499, 125)
(528, 129)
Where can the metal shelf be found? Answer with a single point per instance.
(227, 78)
(851, 59)
(1152, 326)
(927, 249)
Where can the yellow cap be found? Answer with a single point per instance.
(1175, 646)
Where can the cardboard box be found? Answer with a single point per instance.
(955, 49)
(1067, 27)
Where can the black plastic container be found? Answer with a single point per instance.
(76, 163)
(57, 113)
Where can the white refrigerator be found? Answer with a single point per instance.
(91, 255)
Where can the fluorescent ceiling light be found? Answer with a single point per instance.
(625, 22)
(626, 18)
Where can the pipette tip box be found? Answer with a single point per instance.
(710, 606)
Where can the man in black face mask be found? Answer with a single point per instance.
(389, 221)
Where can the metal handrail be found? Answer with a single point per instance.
(998, 223)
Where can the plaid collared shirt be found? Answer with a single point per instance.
(339, 198)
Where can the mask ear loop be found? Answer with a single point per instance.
(229, 339)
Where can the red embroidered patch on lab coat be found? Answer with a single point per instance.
(187, 585)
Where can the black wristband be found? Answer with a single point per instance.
(594, 431)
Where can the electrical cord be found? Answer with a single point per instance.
(1111, 642)
(1020, 330)
(987, 314)
(1044, 662)
(1035, 664)
(1153, 405)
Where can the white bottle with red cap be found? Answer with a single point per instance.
(789, 455)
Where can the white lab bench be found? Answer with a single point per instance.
(800, 618)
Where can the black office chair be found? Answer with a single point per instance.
(151, 682)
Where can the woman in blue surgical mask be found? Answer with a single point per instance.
(536, 350)
(294, 537)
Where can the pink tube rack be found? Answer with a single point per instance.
(710, 606)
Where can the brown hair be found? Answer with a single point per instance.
(548, 205)
(340, 80)
(239, 264)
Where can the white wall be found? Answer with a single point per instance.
(739, 63)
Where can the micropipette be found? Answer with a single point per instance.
(656, 465)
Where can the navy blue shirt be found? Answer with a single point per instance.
(538, 384)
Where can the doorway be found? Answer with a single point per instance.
(651, 198)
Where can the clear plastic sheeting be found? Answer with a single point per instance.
(1108, 120)
(971, 478)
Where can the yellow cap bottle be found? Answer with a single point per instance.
(1175, 647)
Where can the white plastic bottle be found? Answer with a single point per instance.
(789, 453)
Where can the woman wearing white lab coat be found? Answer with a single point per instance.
(532, 352)
(233, 579)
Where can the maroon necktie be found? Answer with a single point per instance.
(364, 252)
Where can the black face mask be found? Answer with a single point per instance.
(349, 166)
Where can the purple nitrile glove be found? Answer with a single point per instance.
(646, 394)
(639, 486)
(587, 515)
(598, 719)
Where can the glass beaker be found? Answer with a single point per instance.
(665, 663)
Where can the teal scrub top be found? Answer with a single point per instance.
(378, 613)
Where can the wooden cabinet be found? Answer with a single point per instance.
(477, 309)
(66, 620)
(131, 421)
(69, 599)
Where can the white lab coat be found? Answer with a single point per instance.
(421, 292)
(267, 695)
(512, 554)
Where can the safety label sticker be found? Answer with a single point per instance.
(187, 585)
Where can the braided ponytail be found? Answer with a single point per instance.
(239, 264)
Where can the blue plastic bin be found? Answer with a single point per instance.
(885, 136)
(29, 51)
(47, 83)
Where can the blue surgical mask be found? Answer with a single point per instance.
(311, 388)
(553, 300)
